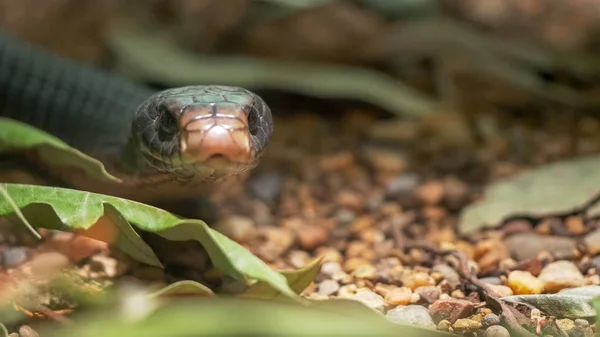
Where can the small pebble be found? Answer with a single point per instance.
(565, 324)
(331, 268)
(12, 257)
(352, 264)
(334, 271)
(456, 192)
(312, 236)
(79, 247)
(47, 264)
(582, 323)
(357, 249)
(347, 291)
(414, 280)
(412, 314)
(450, 309)
(444, 325)
(415, 298)
(491, 280)
(501, 291)
(525, 246)
(398, 296)
(477, 317)
(489, 320)
(560, 275)
(386, 160)
(522, 283)
(368, 298)
(345, 216)
(575, 225)
(431, 192)
(592, 242)
(238, 228)
(496, 331)
(449, 274)
(457, 294)
(329, 254)
(365, 271)
(299, 258)
(328, 287)
(429, 293)
(351, 200)
(278, 241)
(402, 185)
(266, 186)
(27, 331)
(466, 325)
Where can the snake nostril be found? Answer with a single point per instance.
(253, 121)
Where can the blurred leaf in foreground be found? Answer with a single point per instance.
(234, 317)
(596, 304)
(109, 219)
(555, 188)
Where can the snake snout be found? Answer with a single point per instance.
(216, 139)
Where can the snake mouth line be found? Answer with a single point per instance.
(184, 167)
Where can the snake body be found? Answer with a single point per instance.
(188, 134)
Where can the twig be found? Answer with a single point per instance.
(469, 275)
(398, 226)
(51, 314)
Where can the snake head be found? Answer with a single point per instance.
(202, 132)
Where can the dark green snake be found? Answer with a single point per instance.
(184, 135)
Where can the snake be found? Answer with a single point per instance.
(181, 137)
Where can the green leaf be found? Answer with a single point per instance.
(4, 330)
(17, 136)
(184, 288)
(596, 304)
(235, 317)
(71, 210)
(18, 212)
(298, 280)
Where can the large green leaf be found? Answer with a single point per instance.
(71, 210)
(235, 317)
(17, 136)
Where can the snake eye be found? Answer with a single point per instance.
(253, 121)
(167, 123)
